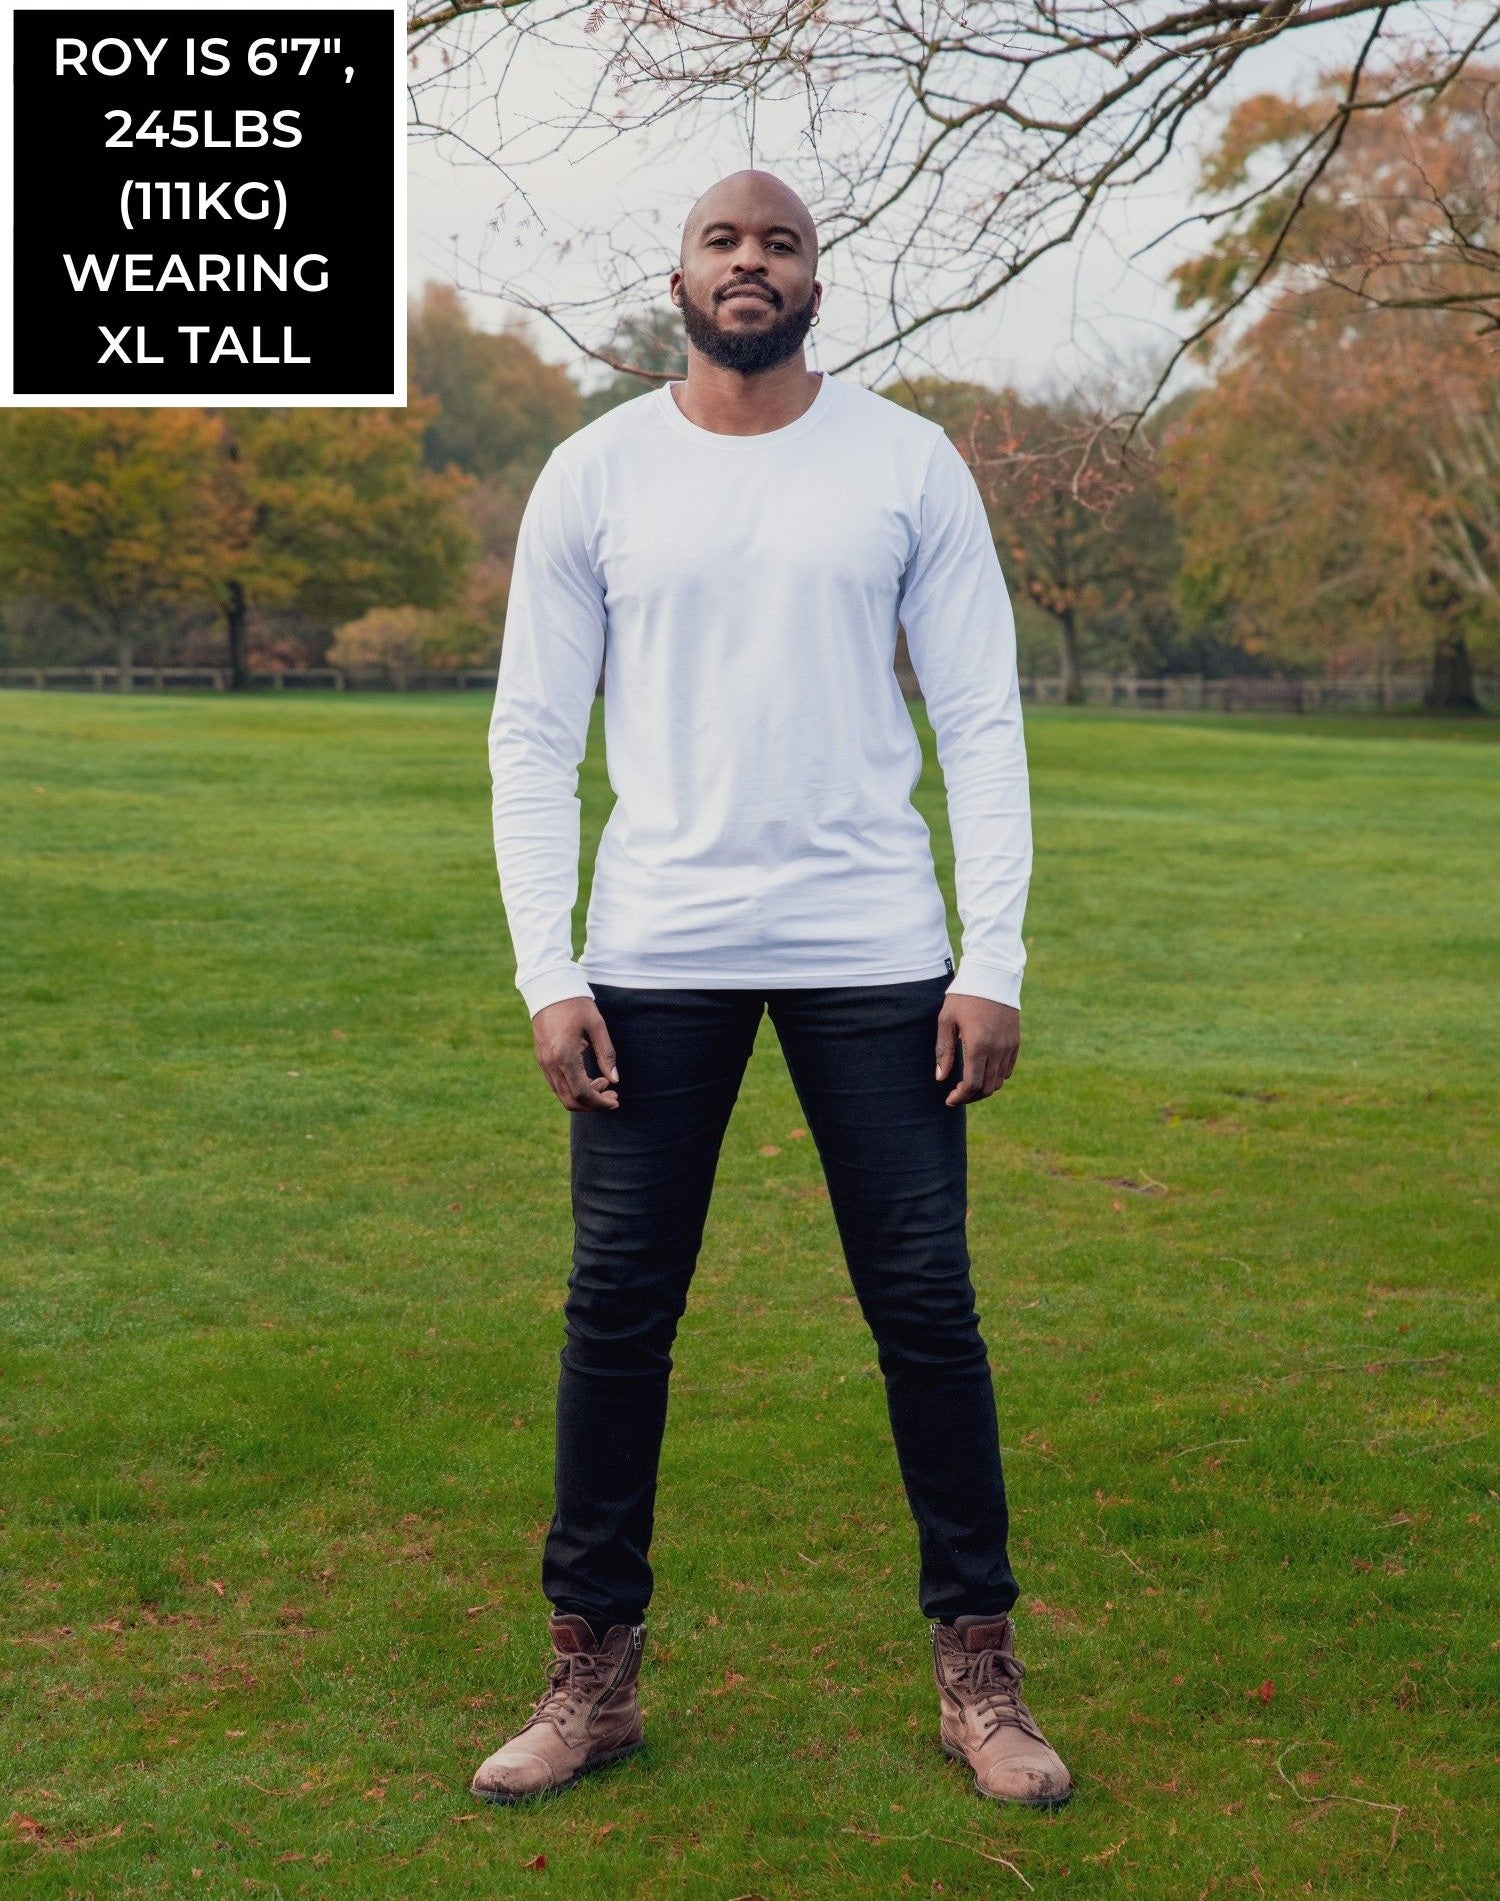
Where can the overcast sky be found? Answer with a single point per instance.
(471, 226)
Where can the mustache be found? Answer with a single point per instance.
(760, 290)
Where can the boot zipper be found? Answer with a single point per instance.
(622, 1670)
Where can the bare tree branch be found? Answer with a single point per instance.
(959, 142)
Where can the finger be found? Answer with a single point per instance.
(569, 1078)
(979, 1080)
(946, 1043)
(596, 1058)
(604, 1050)
(558, 1084)
(576, 1084)
(586, 1091)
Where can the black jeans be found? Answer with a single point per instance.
(861, 1059)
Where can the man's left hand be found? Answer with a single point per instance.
(990, 1034)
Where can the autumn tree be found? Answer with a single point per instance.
(500, 411)
(1079, 524)
(1338, 483)
(1404, 214)
(128, 517)
(499, 406)
(123, 516)
(336, 514)
(1337, 497)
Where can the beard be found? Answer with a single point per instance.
(748, 351)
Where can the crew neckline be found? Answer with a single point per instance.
(739, 445)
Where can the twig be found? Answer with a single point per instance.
(1360, 1801)
(875, 1838)
(985, 1855)
(1208, 1446)
(1118, 1550)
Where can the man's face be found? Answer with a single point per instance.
(746, 287)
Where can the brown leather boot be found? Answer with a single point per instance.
(984, 1721)
(589, 1714)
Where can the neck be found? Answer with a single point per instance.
(733, 404)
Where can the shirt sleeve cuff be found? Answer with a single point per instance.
(988, 981)
(554, 986)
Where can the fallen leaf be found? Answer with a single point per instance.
(1266, 1691)
(216, 1587)
(536, 1864)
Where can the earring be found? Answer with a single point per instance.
(815, 322)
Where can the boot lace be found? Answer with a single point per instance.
(571, 1682)
(993, 1680)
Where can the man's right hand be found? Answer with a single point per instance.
(567, 1036)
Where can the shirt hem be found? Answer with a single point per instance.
(695, 977)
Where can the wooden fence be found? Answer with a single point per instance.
(1191, 691)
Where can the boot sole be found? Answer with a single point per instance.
(1048, 1802)
(504, 1799)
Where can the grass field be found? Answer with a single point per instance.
(285, 1234)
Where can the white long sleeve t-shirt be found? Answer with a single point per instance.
(741, 595)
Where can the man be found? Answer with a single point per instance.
(735, 551)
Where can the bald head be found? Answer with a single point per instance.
(752, 200)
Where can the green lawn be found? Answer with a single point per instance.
(286, 1231)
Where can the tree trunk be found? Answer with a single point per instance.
(126, 658)
(1072, 675)
(1450, 686)
(1450, 689)
(234, 617)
